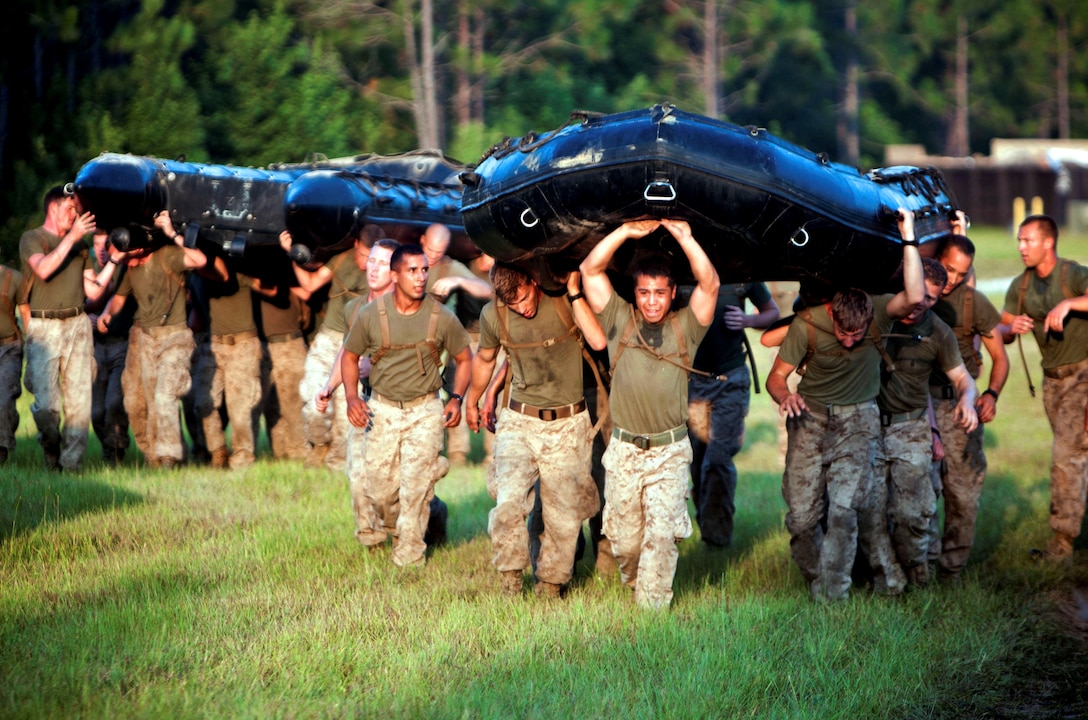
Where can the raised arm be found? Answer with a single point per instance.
(309, 281)
(914, 287)
(584, 318)
(705, 295)
(595, 282)
(44, 265)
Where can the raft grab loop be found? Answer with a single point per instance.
(659, 191)
(529, 218)
(801, 233)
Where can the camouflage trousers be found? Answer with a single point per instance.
(721, 405)
(330, 427)
(646, 515)
(400, 466)
(557, 454)
(904, 464)
(156, 376)
(107, 398)
(60, 373)
(11, 377)
(281, 373)
(1066, 400)
(958, 478)
(834, 505)
(233, 379)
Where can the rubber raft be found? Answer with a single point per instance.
(762, 208)
(323, 203)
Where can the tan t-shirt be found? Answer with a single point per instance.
(160, 297)
(397, 375)
(542, 376)
(649, 395)
(348, 282)
(64, 289)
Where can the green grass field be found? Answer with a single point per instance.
(133, 593)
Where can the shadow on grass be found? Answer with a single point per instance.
(33, 497)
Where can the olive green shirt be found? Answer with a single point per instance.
(348, 282)
(64, 289)
(1040, 297)
(649, 395)
(541, 376)
(930, 346)
(10, 282)
(158, 288)
(397, 374)
(835, 375)
(230, 304)
(984, 318)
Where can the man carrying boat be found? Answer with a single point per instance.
(834, 428)
(647, 462)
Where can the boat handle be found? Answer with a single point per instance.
(651, 194)
(528, 212)
(800, 232)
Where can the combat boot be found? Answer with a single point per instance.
(220, 458)
(547, 590)
(511, 583)
(316, 457)
(918, 575)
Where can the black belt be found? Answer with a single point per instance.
(10, 339)
(1063, 371)
(233, 338)
(556, 413)
(57, 314)
(283, 337)
(944, 392)
(645, 442)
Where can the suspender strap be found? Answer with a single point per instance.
(1020, 338)
(430, 342)
(179, 283)
(683, 363)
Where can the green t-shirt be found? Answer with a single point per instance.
(159, 295)
(1040, 297)
(230, 304)
(984, 318)
(835, 375)
(649, 395)
(931, 346)
(64, 289)
(444, 268)
(397, 375)
(10, 282)
(542, 376)
(348, 282)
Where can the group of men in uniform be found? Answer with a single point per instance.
(885, 421)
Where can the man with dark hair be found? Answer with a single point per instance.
(1050, 300)
(404, 334)
(917, 346)
(57, 278)
(160, 346)
(345, 274)
(544, 435)
(959, 467)
(648, 458)
(834, 430)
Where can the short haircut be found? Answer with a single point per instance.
(1049, 227)
(851, 310)
(403, 251)
(934, 272)
(370, 234)
(960, 242)
(506, 280)
(58, 192)
(654, 266)
(388, 243)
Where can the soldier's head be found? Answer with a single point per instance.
(378, 273)
(936, 278)
(851, 312)
(61, 210)
(364, 241)
(655, 288)
(408, 266)
(435, 241)
(516, 288)
(957, 254)
(1037, 240)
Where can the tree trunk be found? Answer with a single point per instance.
(847, 125)
(480, 78)
(1063, 76)
(462, 70)
(433, 138)
(958, 144)
(711, 59)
